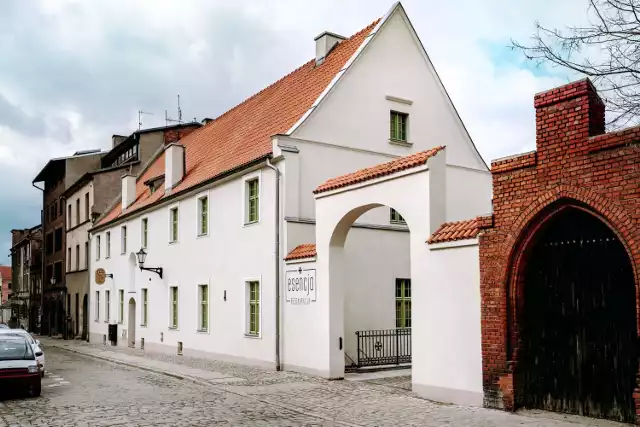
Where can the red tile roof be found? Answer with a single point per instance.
(243, 134)
(397, 165)
(307, 250)
(458, 230)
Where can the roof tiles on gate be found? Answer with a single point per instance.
(308, 250)
(388, 168)
(458, 230)
(243, 134)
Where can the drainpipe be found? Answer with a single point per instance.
(42, 271)
(277, 261)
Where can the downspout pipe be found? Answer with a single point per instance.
(277, 260)
(42, 271)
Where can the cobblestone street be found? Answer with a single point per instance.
(80, 390)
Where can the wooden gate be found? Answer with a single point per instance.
(578, 321)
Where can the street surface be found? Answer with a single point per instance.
(83, 391)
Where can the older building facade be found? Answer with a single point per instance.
(217, 213)
(26, 266)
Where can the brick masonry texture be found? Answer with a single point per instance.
(575, 164)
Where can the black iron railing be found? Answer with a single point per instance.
(384, 347)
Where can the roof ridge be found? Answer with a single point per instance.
(357, 34)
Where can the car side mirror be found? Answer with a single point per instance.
(38, 342)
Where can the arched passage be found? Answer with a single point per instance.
(573, 317)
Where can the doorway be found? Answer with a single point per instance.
(577, 320)
(132, 323)
(85, 317)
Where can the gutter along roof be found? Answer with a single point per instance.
(242, 136)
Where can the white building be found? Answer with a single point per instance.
(220, 211)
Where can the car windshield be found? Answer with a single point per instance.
(15, 349)
(18, 333)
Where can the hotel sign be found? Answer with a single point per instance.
(301, 286)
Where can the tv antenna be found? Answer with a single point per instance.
(140, 113)
(168, 119)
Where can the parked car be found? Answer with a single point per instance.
(3, 326)
(34, 343)
(19, 368)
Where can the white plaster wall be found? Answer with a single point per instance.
(446, 341)
(468, 193)
(224, 259)
(356, 112)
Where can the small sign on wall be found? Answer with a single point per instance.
(300, 286)
(101, 275)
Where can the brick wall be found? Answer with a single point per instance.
(575, 163)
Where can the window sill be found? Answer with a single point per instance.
(143, 326)
(400, 143)
(249, 224)
(173, 328)
(252, 336)
(175, 242)
(202, 235)
(202, 331)
(106, 321)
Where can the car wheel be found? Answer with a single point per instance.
(36, 390)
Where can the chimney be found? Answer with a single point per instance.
(566, 116)
(117, 139)
(174, 165)
(325, 43)
(128, 190)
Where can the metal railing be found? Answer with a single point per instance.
(384, 347)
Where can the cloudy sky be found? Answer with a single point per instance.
(72, 72)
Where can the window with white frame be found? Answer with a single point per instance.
(107, 305)
(398, 126)
(173, 298)
(97, 248)
(77, 257)
(173, 224)
(396, 218)
(121, 303)
(108, 254)
(123, 239)
(252, 202)
(145, 308)
(144, 229)
(203, 215)
(97, 306)
(86, 255)
(253, 309)
(203, 305)
(68, 259)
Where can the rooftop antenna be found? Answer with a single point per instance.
(140, 113)
(168, 119)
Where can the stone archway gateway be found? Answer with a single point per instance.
(559, 262)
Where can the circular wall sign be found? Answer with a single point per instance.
(100, 276)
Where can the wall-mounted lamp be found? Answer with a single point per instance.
(142, 256)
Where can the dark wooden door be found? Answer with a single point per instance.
(578, 321)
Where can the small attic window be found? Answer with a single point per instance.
(154, 183)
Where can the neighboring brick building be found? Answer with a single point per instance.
(5, 282)
(26, 265)
(559, 262)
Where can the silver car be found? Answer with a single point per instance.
(35, 344)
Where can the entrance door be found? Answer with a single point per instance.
(77, 325)
(132, 323)
(578, 321)
(85, 317)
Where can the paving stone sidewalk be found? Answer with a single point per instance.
(350, 403)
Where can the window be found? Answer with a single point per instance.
(144, 307)
(403, 303)
(203, 296)
(57, 272)
(253, 201)
(97, 306)
(398, 126)
(145, 229)
(123, 238)
(61, 207)
(77, 257)
(174, 307)
(86, 255)
(108, 254)
(396, 218)
(121, 302)
(77, 211)
(97, 247)
(107, 305)
(57, 241)
(69, 223)
(173, 232)
(254, 307)
(69, 259)
(49, 244)
(203, 215)
(54, 209)
(86, 207)
(49, 274)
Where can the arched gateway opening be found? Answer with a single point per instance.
(574, 307)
